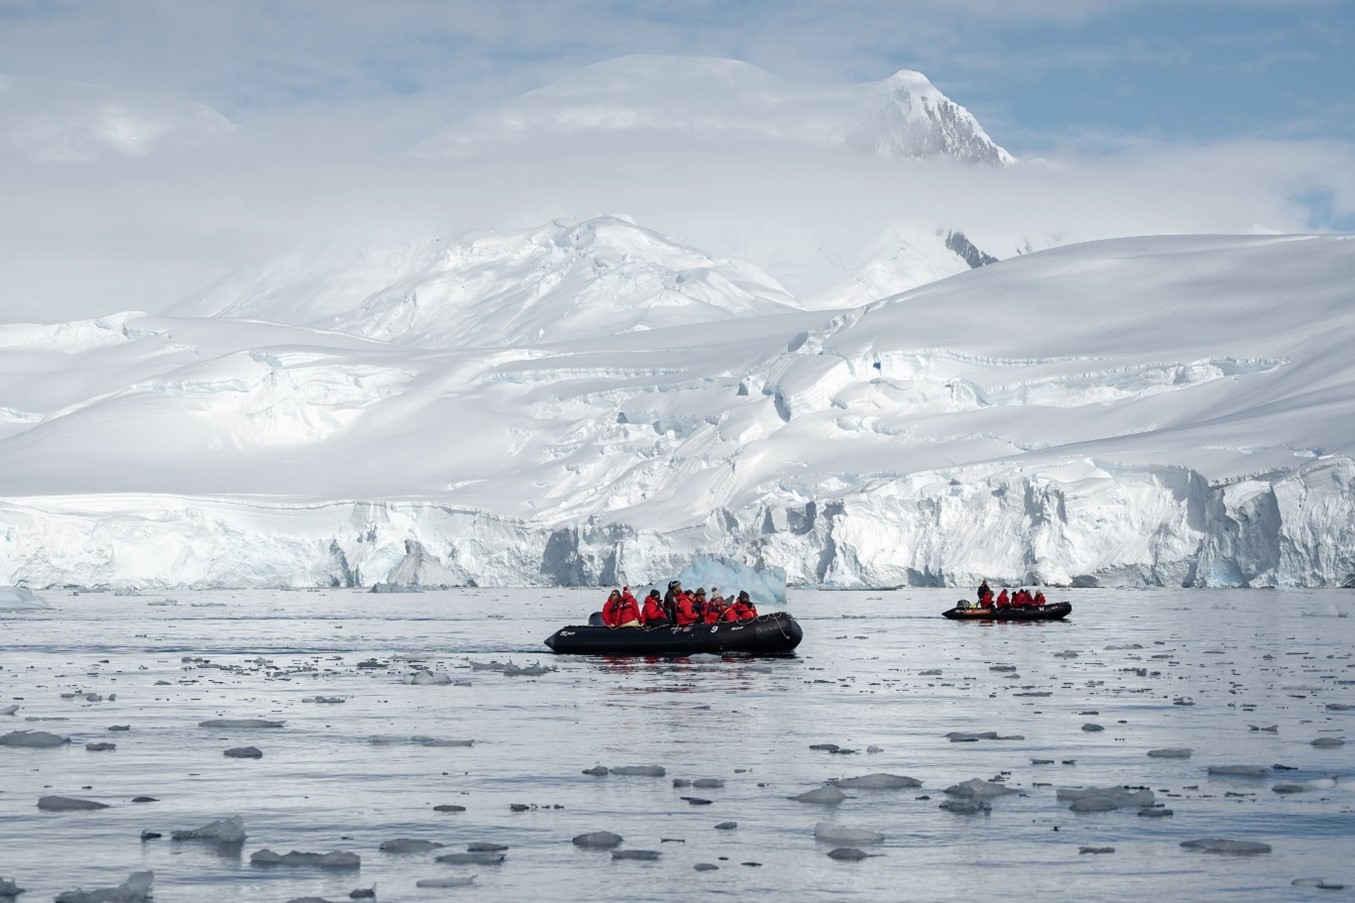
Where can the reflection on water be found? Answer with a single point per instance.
(1208, 670)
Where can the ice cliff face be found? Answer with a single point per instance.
(1151, 411)
(1143, 528)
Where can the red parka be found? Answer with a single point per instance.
(686, 613)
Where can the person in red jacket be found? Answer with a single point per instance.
(1003, 601)
(685, 609)
(609, 609)
(1022, 600)
(743, 608)
(652, 614)
(1039, 599)
(627, 610)
(715, 609)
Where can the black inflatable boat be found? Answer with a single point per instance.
(770, 634)
(1055, 611)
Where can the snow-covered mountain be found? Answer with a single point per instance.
(565, 281)
(713, 98)
(1137, 411)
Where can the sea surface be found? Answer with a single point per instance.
(1237, 677)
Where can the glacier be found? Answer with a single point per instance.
(1133, 412)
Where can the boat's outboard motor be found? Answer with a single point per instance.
(595, 620)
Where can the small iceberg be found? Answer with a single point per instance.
(331, 860)
(68, 804)
(223, 830)
(135, 889)
(33, 740)
(21, 598)
(842, 834)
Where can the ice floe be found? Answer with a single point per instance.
(1105, 799)
(1221, 845)
(331, 860)
(246, 723)
(68, 804)
(409, 845)
(877, 781)
(977, 788)
(827, 795)
(135, 889)
(33, 739)
(602, 840)
(223, 830)
(827, 832)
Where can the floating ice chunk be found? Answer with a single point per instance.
(708, 783)
(68, 804)
(445, 882)
(1328, 742)
(977, 788)
(966, 807)
(1092, 728)
(1331, 706)
(485, 858)
(823, 796)
(437, 743)
(601, 840)
(324, 700)
(243, 752)
(409, 845)
(1156, 811)
(424, 678)
(1321, 883)
(830, 833)
(726, 826)
(642, 771)
(20, 598)
(641, 855)
(332, 860)
(848, 854)
(100, 747)
(1105, 799)
(32, 739)
(1067, 653)
(763, 584)
(1095, 850)
(240, 723)
(135, 889)
(223, 830)
(1326, 783)
(1239, 771)
(1269, 728)
(1220, 845)
(9, 888)
(968, 737)
(1175, 752)
(512, 670)
(449, 807)
(8, 709)
(878, 781)
(597, 771)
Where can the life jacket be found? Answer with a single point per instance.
(626, 596)
(1040, 599)
(714, 612)
(744, 609)
(1002, 600)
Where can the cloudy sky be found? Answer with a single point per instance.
(258, 123)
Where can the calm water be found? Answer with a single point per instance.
(1211, 665)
